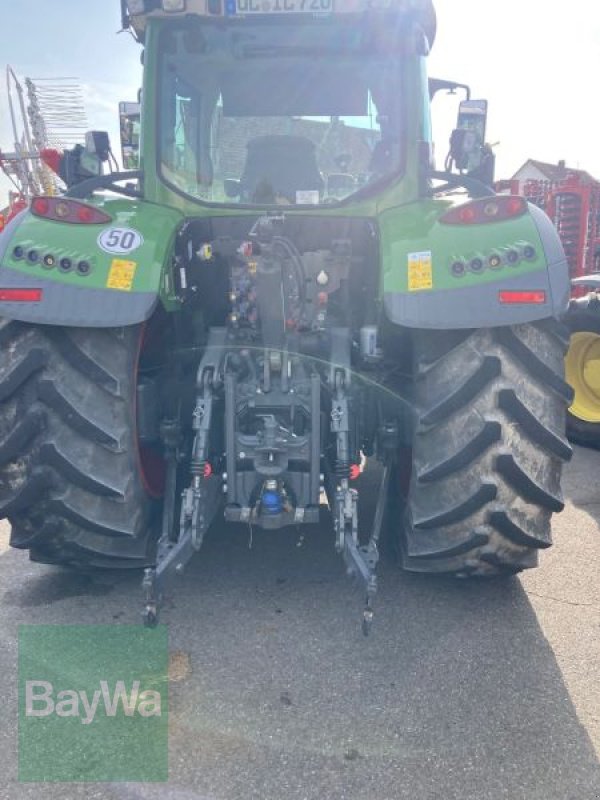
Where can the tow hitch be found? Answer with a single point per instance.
(275, 420)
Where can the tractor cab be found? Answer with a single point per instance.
(258, 104)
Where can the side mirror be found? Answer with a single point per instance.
(74, 166)
(97, 143)
(233, 187)
(467, 143)
(130, 116)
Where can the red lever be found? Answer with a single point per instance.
(354, 471)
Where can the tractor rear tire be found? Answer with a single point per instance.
(582, 365)
(71, 482)
(488, 448)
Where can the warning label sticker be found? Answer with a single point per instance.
(420, 271)
(121, 275)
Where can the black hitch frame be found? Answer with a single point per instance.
(272, 474)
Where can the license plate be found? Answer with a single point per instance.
(279, 6)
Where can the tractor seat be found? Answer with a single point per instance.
(278, 167)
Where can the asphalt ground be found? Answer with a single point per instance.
(466, 690)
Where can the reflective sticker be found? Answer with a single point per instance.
(120, 240)
(307, 197)
(420, 271)
(121, 275)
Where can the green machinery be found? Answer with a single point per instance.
(282, 289)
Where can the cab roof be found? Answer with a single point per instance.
(137, 12)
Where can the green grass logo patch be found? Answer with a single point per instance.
(93, 703)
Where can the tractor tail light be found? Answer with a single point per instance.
(20, 295)
(61, 209)
(529, 297)
(491, 209)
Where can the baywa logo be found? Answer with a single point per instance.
(40, 701)
(93, 703)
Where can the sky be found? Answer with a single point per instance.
(536, 61)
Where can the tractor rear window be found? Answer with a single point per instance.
(278, 115)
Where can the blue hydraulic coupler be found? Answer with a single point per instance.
(271, 499)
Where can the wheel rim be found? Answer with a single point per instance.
(582, 366)
(152, 471)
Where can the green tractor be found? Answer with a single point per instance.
(215, 335)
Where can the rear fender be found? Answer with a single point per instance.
(420, 290)
(119, 271)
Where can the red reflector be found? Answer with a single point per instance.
(40, 206)
(67, 210)
(516, 206)
(516, 297)
(467, 215)
(490, 209)
(85, 214)
(20, 295)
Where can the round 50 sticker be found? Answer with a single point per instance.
(120, 240)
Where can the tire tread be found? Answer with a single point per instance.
(487, 451)
(69, 480)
